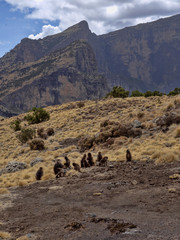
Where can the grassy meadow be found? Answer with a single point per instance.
(71, 121)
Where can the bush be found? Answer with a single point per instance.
(80, 104)
(50, 131)
(37, 144)
(118, 92)
(157, 93)
(136, 93)
(38, 115)
(26, 134)
(15, 125)
(176, 91)
(148, 94)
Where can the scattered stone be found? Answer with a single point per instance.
(134, 182)
(97, 194)
(172, 190)
(137, 124)
(74, 226)
(35, 161)
(174, 176)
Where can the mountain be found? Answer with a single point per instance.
(68, 74)
(142, 57)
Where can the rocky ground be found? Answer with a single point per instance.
(136, 200)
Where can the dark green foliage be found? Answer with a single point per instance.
(136, 93)
(176, 91)
(148, 94)
(26, 134)
(118, 92)
(15, 125)
(157, 93)
(38, 115)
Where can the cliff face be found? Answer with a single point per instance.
(66, 75)
(143, 57)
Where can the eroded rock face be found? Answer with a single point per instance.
(67, 75)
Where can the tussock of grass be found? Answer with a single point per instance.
(165, 157)
(22, 238)
(177, 134)
(5, 235)
(4, 191)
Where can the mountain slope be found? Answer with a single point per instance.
(66, 75)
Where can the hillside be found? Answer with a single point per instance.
(147, 126)
(133, 200)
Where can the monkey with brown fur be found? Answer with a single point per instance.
(128, 156)
(103, 162)
(57, 166)
(90, 159)
(76, 167)
(67, 163)
(99, 158)
(39, 173)
(84, 163)
(61, 173)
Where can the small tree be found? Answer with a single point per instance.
(176, 91)
(157, 93)
(38, 115)
(148, 94)
(15, 125)
(26, 134)
(136, 93)
(118, 92)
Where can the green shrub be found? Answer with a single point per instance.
(26, 134)
(136, 93)
(176, 91)
(148, 94)
(118, 92)
(15, 125)
(38, 115)
(157, 93)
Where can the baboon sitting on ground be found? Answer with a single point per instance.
(67, 163)
(84, 163)
(128, 156)
(103, 162)
(61, 173)
(99, 158)
(90, 159)
(76, 167)
(39, 173)
(57, 166)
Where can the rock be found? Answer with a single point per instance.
(172, 190)
(35, 161)
(168, 119)
(137, 124)
(97, 194)
(13, 167)
(175, 176)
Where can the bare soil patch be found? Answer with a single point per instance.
(135, 200)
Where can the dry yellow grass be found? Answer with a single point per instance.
(72, 122)
(5, 235)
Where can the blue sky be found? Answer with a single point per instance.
(38, 18)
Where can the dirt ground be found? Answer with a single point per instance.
(135, 200)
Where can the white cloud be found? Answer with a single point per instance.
(46, 30)
(102, 15)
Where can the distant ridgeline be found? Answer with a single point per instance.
(77, 64)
